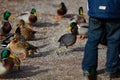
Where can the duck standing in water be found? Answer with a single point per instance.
(29, 17)
(6, 26)
(70, 38)
(62, 10)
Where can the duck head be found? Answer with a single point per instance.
(17, 34)
(62, 5)
(6, 53)
(21, 23)
(33, 12)
(7, 15)
(6, 60)
(73, 28)
(80, 11)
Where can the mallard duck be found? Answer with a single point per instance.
(62, 10)
(81, 23)
(6, 26)
(69, 38)
(8, 61)
(82, 30)
(18, 46)
(27, 33)
(29, 17)
(78, 18)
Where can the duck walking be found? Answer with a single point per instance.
(70, 38)
(6, 26)
(81, 23)
(79, 18)
(29, 17)
(18, 45)
(62, 10)
(27, 33)
(8, 61)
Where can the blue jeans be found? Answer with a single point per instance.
(96, 29)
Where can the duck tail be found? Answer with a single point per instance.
(6, 41)
(59, 40)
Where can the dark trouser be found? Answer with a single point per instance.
(96, 28)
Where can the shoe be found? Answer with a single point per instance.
(113, 75)
(87, 76)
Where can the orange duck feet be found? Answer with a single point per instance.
(2, 37)
(19, 56)
(29, 26)
(80, 38)
(24, 57)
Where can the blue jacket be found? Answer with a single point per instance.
(104, 8)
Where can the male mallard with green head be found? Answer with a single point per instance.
(81, 23)
(6, 62)
(78, 18)
(62, 10)
(29, 17)
(82, 30)
(6, 26)
(69, 38)
(6, 53)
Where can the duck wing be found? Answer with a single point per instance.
(83, 29)
(24, 16)
(67, 39)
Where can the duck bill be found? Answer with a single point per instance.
(60, 7)
(81, 12)
(69, 28)
(11, 17)
(12, 56)
(35, 14)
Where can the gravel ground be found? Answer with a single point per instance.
(46, 64)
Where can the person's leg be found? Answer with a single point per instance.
(113, 38)
(90, 59)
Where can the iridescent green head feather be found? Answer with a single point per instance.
(7, 14)
(81, 11)
(33, 11)
(5, 53)
(73, 24)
